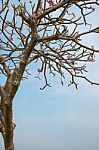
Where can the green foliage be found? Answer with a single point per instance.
(19, 8)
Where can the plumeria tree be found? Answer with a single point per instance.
(50, 33)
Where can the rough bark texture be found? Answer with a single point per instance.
(7, 125)
(8, 139)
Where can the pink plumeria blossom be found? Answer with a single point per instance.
(39, 70)
(5, 26)
(90, 58)
(51, 3)
(10, 39)
(91, 7)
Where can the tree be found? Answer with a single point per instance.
(47, 32)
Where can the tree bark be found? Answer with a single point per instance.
(8, 137)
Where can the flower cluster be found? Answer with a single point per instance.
(90, 57)
(91, 7)
(51, 3)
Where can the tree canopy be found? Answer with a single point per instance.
(53, 33)
(50, 32)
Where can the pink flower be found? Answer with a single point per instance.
(10, 39)
(90, 58)
(90, 7)
(51, 3)
(4, 26)
(39, 70)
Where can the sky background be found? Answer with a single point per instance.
(60, 117)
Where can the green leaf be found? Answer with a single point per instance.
(19, 8)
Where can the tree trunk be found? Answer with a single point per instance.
(8, 137)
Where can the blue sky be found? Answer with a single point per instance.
(60, 117)
(57, 118)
